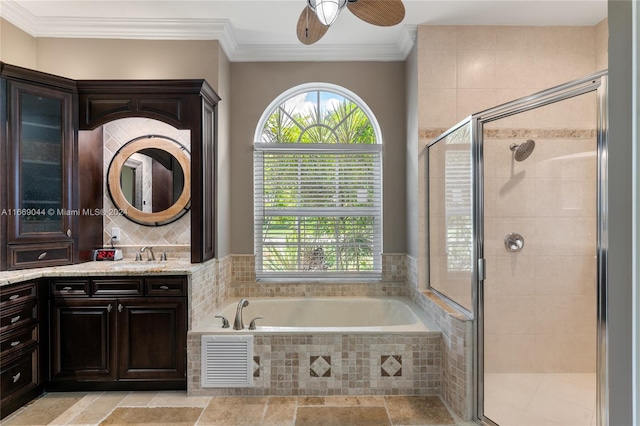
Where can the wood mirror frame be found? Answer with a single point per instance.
(175, 211)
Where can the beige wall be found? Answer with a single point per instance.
(129, 59)
(16, 46)
(411, 160)
(379, 84)
(223, 184)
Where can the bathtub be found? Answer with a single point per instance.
(326, 346)
(325, 315)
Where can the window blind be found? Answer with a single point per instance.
(317, 210)
(458, 210)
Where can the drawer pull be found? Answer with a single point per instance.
(14, 344)
(15, 319)
(16, 377)
(120, 307)
(69, 233)
(66, 288)
(14, 297)
(109, 307)
(42, 255)
(164, 287)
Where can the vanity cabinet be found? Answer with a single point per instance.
(22, 371)
(119, 333)
(39, 156)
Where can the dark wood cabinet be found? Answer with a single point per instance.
(124, 333)
(83, 333)
(152, 337)
(184, 104)
(51, 131)
(39, 150)
(23, 347)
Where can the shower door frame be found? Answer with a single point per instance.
(596, 82)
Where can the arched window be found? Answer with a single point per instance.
(318, 186)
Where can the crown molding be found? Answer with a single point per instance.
(201, 29)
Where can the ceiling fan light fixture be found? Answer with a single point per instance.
(327, 11)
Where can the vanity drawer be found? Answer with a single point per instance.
(18, 340)
(68, 288)
(117, 287)
(16, 294)
(14, 318)
(39, 255)
(19, 375)
(166, 286)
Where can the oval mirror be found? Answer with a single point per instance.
(149, 180)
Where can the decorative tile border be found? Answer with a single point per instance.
(431, 134)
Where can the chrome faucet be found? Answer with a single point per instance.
(149, 250)
(238, 324)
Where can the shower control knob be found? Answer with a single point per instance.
(513, 242)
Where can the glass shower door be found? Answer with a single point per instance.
(539, 296)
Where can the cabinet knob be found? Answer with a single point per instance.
(16, 377)
(69, 233)
(42, 255)
(14, 344)
(14, 297)
(120, 307)
(15, 319)
(109, 307)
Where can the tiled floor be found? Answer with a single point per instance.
(175, 408)
(541, 399)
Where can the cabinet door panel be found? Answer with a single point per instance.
(41, 155)
(83, 343)
(152, 338)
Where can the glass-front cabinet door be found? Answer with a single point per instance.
(40, 223)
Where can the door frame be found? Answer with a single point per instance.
(596, 82)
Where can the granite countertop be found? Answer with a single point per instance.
(117, 268)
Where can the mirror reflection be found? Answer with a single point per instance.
(149, 180)
(152, 180)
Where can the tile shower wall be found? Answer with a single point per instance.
(174, 238)
(540, 303)
(466, 69)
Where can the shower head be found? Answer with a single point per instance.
(524, 150)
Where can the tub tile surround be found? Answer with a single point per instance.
(362, 364)
(321, 365)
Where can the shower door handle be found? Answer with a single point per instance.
(481, 269)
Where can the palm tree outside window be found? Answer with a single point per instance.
(318, 186)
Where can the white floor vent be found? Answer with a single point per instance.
(227, 361)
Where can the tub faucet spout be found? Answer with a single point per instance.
(238, 324)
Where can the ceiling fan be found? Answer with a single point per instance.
(318, 15)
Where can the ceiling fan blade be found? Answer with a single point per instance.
(309, 28)
(384, 13)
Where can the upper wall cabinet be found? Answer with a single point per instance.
(184, 104)
(39, 169)
(49, 125)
